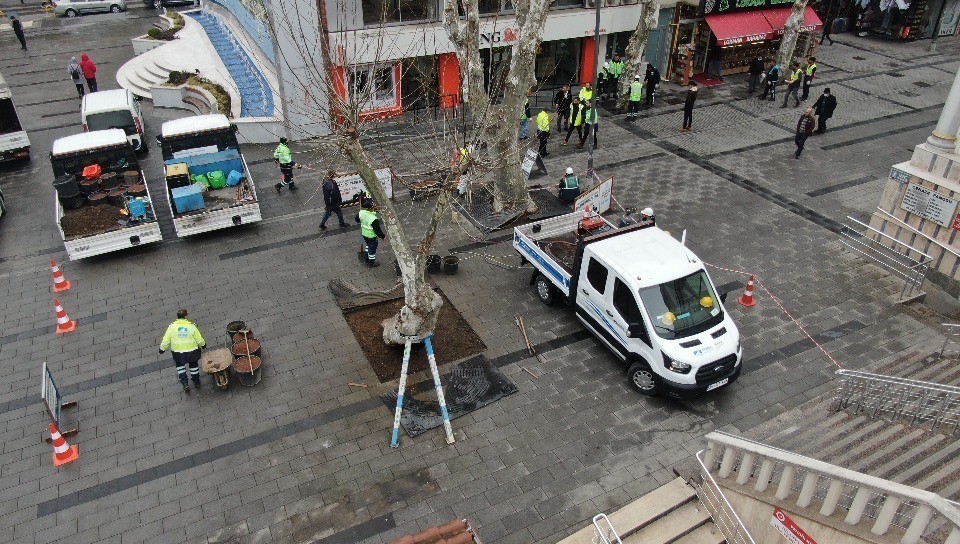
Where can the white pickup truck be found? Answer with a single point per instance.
(14, 142)
(200, 145)
(112, 152)
(643, 294)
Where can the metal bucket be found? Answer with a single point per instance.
(109, 181)
(96, 199)
(131, 177)
(242, 368)
(90, 186)
(240, 349)
(116, 196)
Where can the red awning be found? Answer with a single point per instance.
(778, 18)
(739, 28)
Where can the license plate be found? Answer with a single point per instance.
(721, 383)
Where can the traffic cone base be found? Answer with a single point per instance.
(60, 283)
(69, 326)
(64, 324)
(62, 287)
(72, 455)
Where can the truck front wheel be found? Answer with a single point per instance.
(545, 290)
(642, 378)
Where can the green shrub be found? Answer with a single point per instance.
(178, 78)
(218, 92)
(169, 34)
(155, 33)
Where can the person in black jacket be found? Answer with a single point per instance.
(18, 31)
(773, 75)
(652, 79)
(688, 107)
(824, 107)
(755, 71)
(561, 102)
(332, 199)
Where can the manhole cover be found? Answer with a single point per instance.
(922, 84)
(895, 74)
(859, 58)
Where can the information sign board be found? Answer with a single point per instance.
(929, 204)
(352, 184)
(50, 395)
(598, 198)
(789, 529)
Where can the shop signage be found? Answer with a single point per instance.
(598, 198)
(497, 38)
(528, 161)
(351, 185)
(789, 529)
(743, 39)
(713, 7)
(899, 175)
(929, 204)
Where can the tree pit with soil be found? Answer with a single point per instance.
(453, 339)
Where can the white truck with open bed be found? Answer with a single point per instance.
(643, 294)
(112, 152)
(200, 145)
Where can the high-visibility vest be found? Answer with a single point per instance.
(367, 217)
(283, 154)
(526, 106)
(182, 336)
(616, 68)
(578, 110)
(811, 69)
(543, 121)
(636, 91)
(571, 182)
(590, 116)
(586, 94)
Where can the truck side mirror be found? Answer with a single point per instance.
(635, 330)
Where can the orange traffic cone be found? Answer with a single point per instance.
(63, 453)
(60, 283)
(747, 298)
(64, 325)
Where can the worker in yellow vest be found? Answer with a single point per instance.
(636, 96)
(809, 71)
(370, 231)
(576, 120)
(183, 338)
(543, 134)
(616, 70)
(586, 93)
(793, 84)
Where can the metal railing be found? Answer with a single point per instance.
(951, 338)
(890, 253)
(871, 503)
(921, 402)
(604, 533)
(720, 509)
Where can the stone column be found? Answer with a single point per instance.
(945, 135)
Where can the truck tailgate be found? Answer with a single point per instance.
(98, 244)
(191, 224)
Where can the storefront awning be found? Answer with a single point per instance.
(778, 19)
(740, 28)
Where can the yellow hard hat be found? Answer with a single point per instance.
(668, 318)
(707, 302)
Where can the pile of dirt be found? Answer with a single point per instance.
(453, 338)
(90, 220)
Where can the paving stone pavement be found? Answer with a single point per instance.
(303, 456)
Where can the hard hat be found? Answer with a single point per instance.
(606, 64)
(668, 318)
(569, 169)
(647, 211)
(707, 302)
(636, 76)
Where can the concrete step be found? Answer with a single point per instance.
(945, 458)
(673, 526)
(132, 84)
(704, 534)
(879, 453)
(853, 450)
(155, 70)
(918, 451)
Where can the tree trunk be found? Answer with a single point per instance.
(791, 30)
(633, 61)
(418, 316)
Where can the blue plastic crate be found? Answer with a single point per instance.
(189, 198)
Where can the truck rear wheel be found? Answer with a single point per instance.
(643, 379)
(546, 292)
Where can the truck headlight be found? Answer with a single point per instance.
(675, 366)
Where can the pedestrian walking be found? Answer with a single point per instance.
(371, 231)
(616, 70)
(809, 71)
(576, 120)
(688, 103)
(332, 200)
(589, 125)
(89, 70)
(755, 71)
(636, 96)
(561, 102)
(773, 76)
(804, 130)
(794, 79)
(824, 107)
(569, 187)
(284, 158)
(18, 30)
(827, 29)
(543, 134)
(652, 81)
(184, 340)
(76, 75)
(525, 118)
(715, 70)
(602, 77)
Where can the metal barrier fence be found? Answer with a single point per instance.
(603, 531)
(923, 402)
(951, 340)
(890, 253)
(720, 509)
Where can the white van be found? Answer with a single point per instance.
(117, 108)
(14, 143)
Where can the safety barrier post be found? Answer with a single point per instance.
(436, 382)
(395, 441)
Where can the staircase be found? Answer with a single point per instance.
(669, 514)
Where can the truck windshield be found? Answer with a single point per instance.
(682, 307)
(9, 122)
(111, 119)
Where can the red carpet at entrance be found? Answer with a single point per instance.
(701, 79)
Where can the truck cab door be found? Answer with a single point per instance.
(593, 285)
(629, 320)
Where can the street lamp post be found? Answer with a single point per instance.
(596, 95)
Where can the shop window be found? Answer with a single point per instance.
(399, 11)
(374, 86)
(560, 4)
(495, 6)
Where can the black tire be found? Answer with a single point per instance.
(643, 379)
(114, 8)
(71, 13)
(546, 292)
